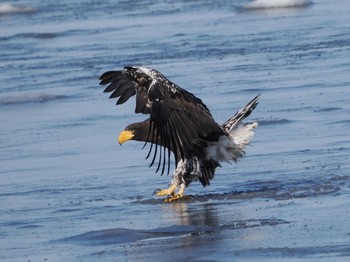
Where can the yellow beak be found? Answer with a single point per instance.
(125, 136)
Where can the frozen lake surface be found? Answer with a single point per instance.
(69, 192)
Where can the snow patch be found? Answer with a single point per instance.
(262, 4)
(6, 8)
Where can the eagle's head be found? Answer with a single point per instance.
(135, 131)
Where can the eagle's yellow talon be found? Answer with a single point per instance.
(156, 191)
(165, 192)
(173, 197)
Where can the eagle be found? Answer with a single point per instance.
(179, 124)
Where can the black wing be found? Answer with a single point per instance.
(178, 120)
(181, 120)
(121, 86)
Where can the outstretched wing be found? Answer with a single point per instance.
(178, 120)
(123, 87)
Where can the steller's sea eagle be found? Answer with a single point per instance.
(180, 123)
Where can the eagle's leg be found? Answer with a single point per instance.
(176, 181)
(179, 182)
(166, 192)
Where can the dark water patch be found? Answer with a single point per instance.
(40, 36)
(84, 121)
(68, 125)
(34, 192)
(85, 79)
(124, 235)
(274, 121)
(296, 109)
(30, 98)
(299, 188)
(327, 109)
(77, 32)
(14, 223)
(183, 34)
(67, 210)
(255, 90)
(19, 224)
(337, 43)
(342, 122)
(298, 252)
(30, 226)
(53, 191)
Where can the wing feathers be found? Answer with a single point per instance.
(110, 76)
(118, 88)
(129, 92)
(142, 103)
(159, 135)
(119, 85)
(181, 120)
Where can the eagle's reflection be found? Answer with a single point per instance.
(208, 223)
(188, 214)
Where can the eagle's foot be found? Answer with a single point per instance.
(175, 197)
(165, 192)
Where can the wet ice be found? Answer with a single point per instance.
(69, 192)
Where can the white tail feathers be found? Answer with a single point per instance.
(242, 134)
(231, 146)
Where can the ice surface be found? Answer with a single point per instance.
(69, 192)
